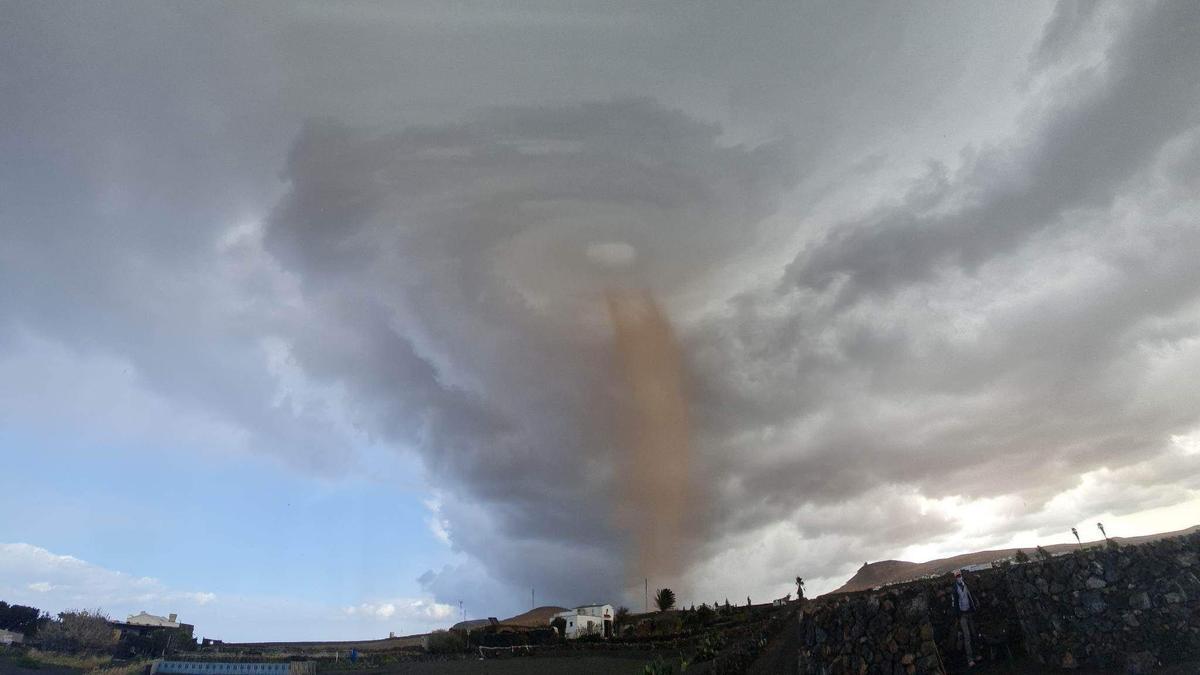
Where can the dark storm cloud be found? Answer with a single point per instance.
(1066, 24)
(997, 332)
(1078, 158)
(448, 274)
(997, 329)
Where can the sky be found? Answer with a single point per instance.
(303, 330)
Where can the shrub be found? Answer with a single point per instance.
(1021, 556)
(79, 631)
(446, 642)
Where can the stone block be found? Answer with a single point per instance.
(1139, 600)
(1140, 663)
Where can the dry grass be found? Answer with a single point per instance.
(94, 663)
(131, 668)
(82, 662)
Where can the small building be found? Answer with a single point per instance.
(586, 620)
(144, 619)
(143, 624)
(10, 637)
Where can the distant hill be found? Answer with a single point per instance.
(886, 572)
(534, 618)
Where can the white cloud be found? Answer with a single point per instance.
(438, 525)
(201, 598)
(55, 582)
(403, 609)
(34, 576)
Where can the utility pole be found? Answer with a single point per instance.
(646, 592)
(532, 598)
(462, 611)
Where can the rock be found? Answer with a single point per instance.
(1174, 598)
(1139, 600)
(907, 659)
(1095, 583)
(926, 631)
(1130, 619)
(916, 607)
(1068, 662)
(1140, 663)
(1186, 559)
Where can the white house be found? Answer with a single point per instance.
(144, 619)
(587, 620)
(8, 637)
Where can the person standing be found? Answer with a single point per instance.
(964, 602)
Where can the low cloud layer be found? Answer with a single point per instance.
(65, 582)
(905, 318)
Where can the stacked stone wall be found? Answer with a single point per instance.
(1112, 608)
(1124, 609)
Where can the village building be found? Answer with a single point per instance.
(586, 620)
(9, 637)
(143, 623)
(144, 619)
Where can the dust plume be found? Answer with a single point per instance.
(653, 418)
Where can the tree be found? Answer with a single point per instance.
(1021, 556)
(1100, 526)
(83, 630)
(620, 618)
(664, 599)
(799, 588)
(20, 618)
(1077, 539)
(1042, 553)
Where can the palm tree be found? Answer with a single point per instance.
(1100, 526)
(799, 588)
(664, 599)
(1077, 539)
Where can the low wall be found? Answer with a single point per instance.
(1112, 608)
(1123, 609)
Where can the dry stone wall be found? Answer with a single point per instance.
(1127, 610)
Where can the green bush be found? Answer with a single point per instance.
(447, 642)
